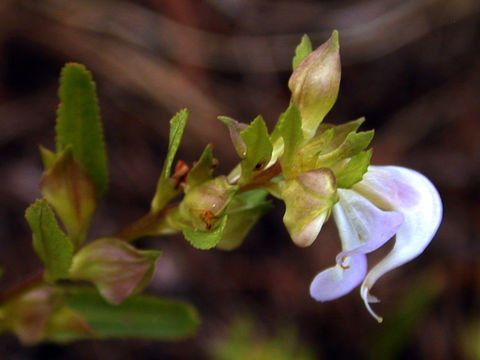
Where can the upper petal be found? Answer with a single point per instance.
(362, 226)
(412, 194)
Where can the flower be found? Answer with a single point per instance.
(390, 200)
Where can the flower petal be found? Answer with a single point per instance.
(340, 279)
(412, 194)
(362, 226)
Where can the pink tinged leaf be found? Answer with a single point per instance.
(412, 194)
(340, 279)
(362, 226)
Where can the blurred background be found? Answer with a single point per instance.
(411, 67)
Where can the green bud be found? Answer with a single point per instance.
(203, 205)
(314, 84)
(309, 199)
(115, 267)
(71, 191)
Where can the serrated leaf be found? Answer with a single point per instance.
(202, 171)
(49, 242)
(353, 171)
(165, 187)
(177, 127)
(205, 240)
(140, 317)
(79, 125)
(302, 51)
(243, 213)
(259, 148)
(289, 127)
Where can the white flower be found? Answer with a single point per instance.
(389, 201)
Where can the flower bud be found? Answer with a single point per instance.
(71, 191)
(204, 203)
(314, 84)
(117, 268)
(27, 315)
(308, 200)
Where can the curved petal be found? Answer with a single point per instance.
(362, 226)
(340, 279)
(412, 194)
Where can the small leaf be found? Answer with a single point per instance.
(302, 51)
(353, 144)
(177, 127)
(243, 213)
(79, 125)
(117, 268)
(139, 317)
(259, 148)
(165, 186)
(205, 240)
(202, 171)
(289, 127)
(352, 172)
(49, 242)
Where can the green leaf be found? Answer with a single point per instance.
(141, 317)
(259, 148)
(79, 125)
(49, 242)
(165, 186)
(302, 51)
(289, 127)
(243, 213)
(202, 171)
(353, 171)
(205, 240)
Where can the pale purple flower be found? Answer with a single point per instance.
(389, 201)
